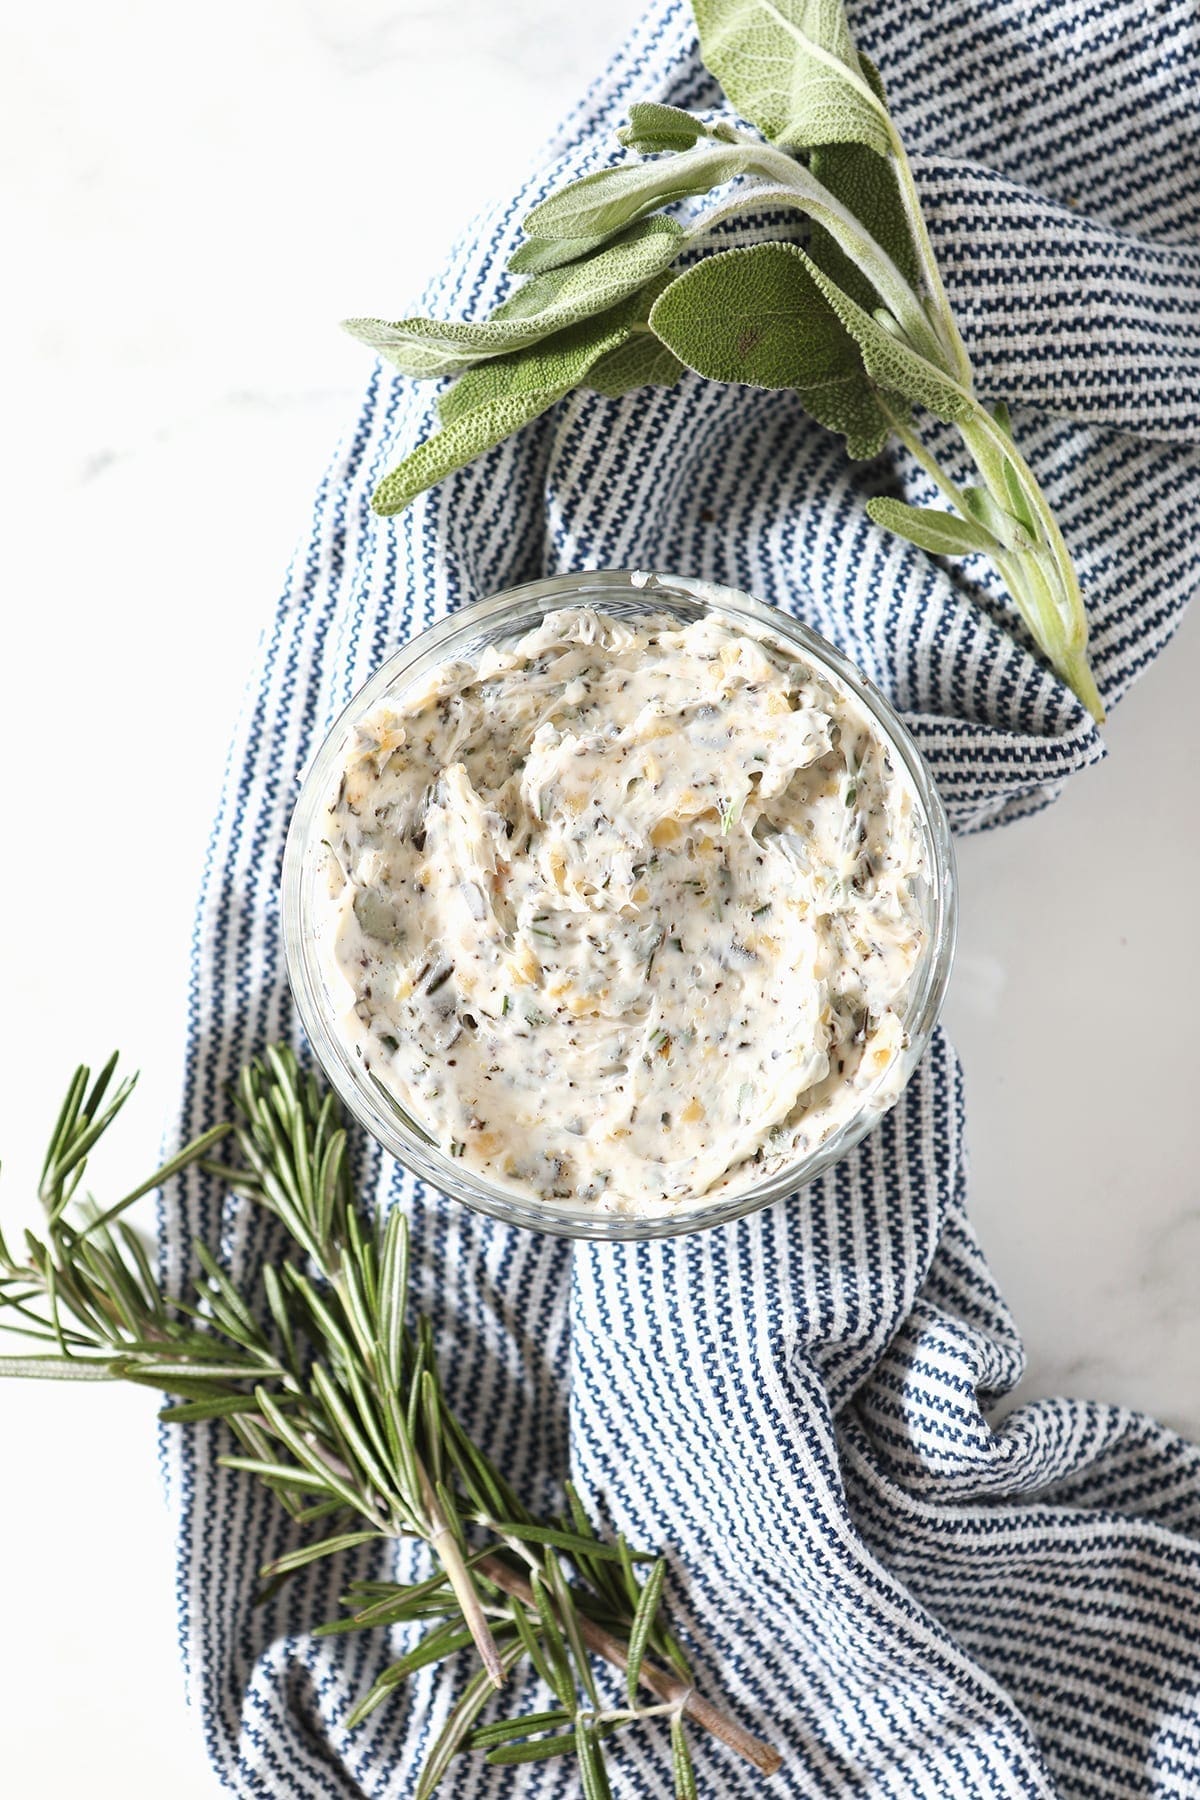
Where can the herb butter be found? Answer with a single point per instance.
(628, 912)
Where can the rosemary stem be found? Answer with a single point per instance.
(666, 1686)
(517, 1545)
(445, 1547)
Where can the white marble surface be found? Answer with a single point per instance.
(192, 201)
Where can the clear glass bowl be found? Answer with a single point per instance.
(627, 595)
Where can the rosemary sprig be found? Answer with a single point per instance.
(330, 1390)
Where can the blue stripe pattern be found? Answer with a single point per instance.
(908, 1597)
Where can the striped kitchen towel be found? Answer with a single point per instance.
(905, 1596)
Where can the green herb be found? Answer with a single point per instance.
(858, 325)
(330, 1391)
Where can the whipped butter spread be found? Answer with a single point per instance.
(627, 911)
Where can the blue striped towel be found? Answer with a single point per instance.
(905, 1596)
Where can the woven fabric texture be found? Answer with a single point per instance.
(906, 1597)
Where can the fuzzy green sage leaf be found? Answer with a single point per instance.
(792, 67)
(609, 200)
(497, 399)
(891, 362)
(654, 127)
(643, 360)
(546, 304)
(941, 533)
(1018, 500)
(535, 255)
(758, 316)
(868, 186)
(986, 510)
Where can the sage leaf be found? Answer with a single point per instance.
(756, 315)
(610, 200)
(984, 507)
(537, 254)
(653, 127)
(400, 343)
(941, 533)
(858, 324)
(790, 66)
(562, 296)
(641, 361)
(542, 306)
(891, 362)
(746, 202)
(868, 186)
(838, 243)
(498, 397)
(1018, 499)
(613, 374)
(586, 212)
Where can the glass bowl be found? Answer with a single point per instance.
(626, 594)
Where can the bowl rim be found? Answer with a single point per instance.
(382, 1115)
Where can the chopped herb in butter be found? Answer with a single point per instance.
(628, 911)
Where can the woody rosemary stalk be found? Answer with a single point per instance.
(331, 1391)
(856, 322)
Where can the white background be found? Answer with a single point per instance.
(192, 199)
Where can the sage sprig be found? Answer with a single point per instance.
(329, 1388)
(856, 321)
